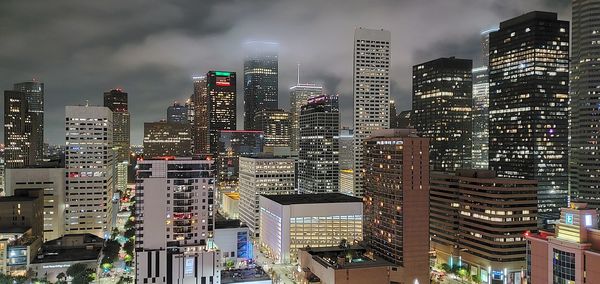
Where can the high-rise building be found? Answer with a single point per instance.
(299, 95)
(477, 220)
(51, 181)
(34, 92)
(371, 81)
(396, 200)
(17, 130)
(404, 119)
(200, 101)
(529, 85)
(442, 103)
(571, 254)
(275, 124)
(346, 153)
(175, 222)
(234, 144)
(89, 159)
(258, 176)
(167, 139)
(178, 113)
(585, 103)
(221, 89)
(393, 115)
(260, 80)
(318, 159)
(116, 101)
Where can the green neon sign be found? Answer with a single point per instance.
(221, 73)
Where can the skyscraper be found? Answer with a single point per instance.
(175, 222)
(177, 113)
(17, 130)
(116, 101)
(396, 200)
(167, 139)
(89, 159)
(318, 158)
(221, 90)
(299, 94)
(529, 84)
(442, 102)
(260, 80)
(34, 92)
(585, 103)
(371, 81)
(200, 101)
(393, 115)
(275, 124)
(234, 144)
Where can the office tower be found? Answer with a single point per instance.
(262, 175)
(393, 115)
(442, 104)
(260, 80)
(346, 153)
(89, 159)
(234, 144)
(34, 92)
(178, 113)
(404, 119)
(477, 220)
(220, 86)
(585, 103)
(529, 84)
(200, 123)
(51, 182)
(371, 81)
(163, 139)
(299, 94)
(275, 124)
(175, 222)
(480, 134)
(295, 221)
(116, 101)
(396, 200)
(23, 211)
(17, 130)
(571, 254)
(318, 159)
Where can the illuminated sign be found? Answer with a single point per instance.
(189, 266)
(569, 218)
(588, 220)
(221, 73)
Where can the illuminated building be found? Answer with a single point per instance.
(572, 255)
(393, 115)
(346, 181)
(178, 113)
(442, 104)
(404, 119)
(260, 80)
(34, 93)
(234, 144)
(318, 168)
(262, 175)
(585, 103)
(396, 201)
(299, 95)
(90, 167)
(529, 84)
(275, 124)
(477, 221)
(294, 221)
(166, 139)
(52, 182)
(221, 90)
(199, 101)
(116, 101)
(346, 141)
(371, 91)
(17, 130)
(175, 223)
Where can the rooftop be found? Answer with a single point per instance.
(290, 199)
(345, 258)
(67, 254)
(244, 275)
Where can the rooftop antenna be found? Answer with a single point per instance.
(298, 74)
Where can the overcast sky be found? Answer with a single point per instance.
(151, 48)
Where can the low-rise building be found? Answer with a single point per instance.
(232, 237)
(294, 221)
(254, 275)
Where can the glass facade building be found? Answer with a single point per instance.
(116, 101)
(221, 88)
(261, 66)
(299, 95)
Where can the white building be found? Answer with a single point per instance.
(262, 175)
(291, 222)
(299, 95)
(233, 240)
(175, 223)
(52, 182)
(90, 168)
(371, 81)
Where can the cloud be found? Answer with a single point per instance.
(151, 48)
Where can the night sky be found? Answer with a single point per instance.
(151, 48)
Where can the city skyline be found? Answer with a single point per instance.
(155, 64)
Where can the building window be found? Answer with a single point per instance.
(563, 267)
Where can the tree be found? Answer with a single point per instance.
(129, 233)
(445, 267)
(76, 269)
(128, 247)
(61, 277)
